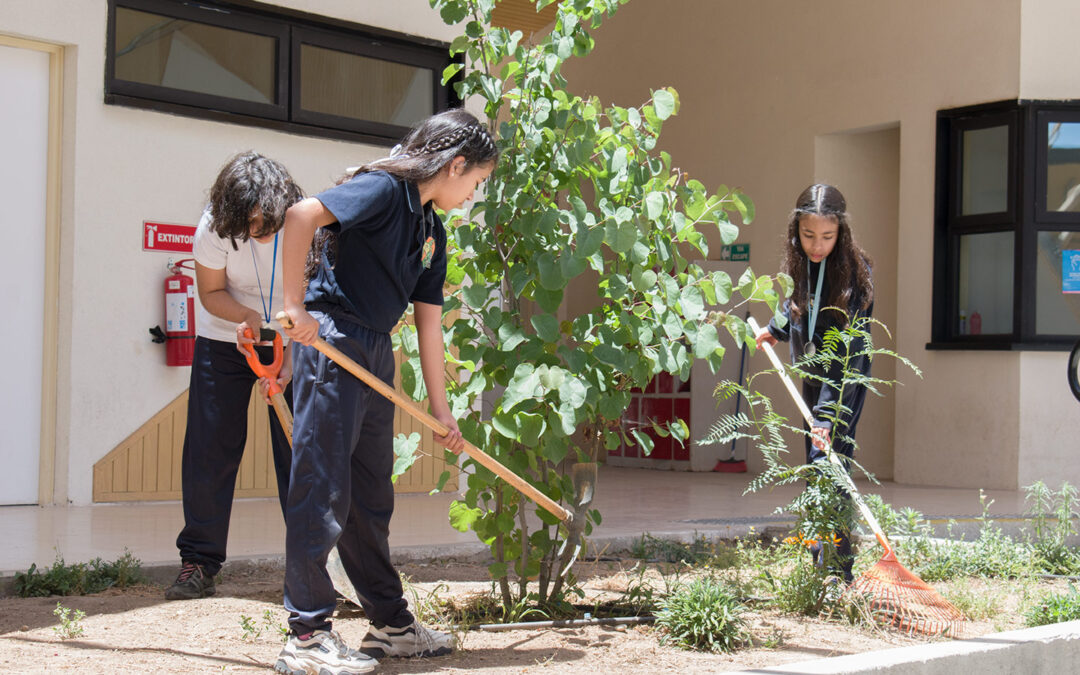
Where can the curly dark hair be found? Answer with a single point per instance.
(248, 182)
(423, 153)
(849, 266)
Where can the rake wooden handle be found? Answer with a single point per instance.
(867, 515)
(406, 404)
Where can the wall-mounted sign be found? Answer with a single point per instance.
(735, 252)
(167, 237)
(1070, 271)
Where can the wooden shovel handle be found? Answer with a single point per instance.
(406, 404)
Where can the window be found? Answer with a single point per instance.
(1007, 223)
(288, 71)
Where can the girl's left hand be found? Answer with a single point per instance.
(820, 436)
(282, 379)
(453, 440)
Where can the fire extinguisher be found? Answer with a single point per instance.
(179, 333)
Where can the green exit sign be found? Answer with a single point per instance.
(735, 252)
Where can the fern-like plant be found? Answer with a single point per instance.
(705, 615)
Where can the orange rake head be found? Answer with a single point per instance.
(898, 598)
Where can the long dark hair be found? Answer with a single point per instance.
(848, 266)
(246, 182)
(421, 155)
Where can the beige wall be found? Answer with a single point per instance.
(865, 165)
(771, 79)
(1049, 436)
(122, 166)
(1049, 49)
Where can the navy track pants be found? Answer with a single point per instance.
(340, 491)
(844, 447)
(221, 383)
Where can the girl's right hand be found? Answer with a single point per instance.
(251, 324)
(305, 327)
(764, 337)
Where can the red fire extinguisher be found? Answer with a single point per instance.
(179, 334)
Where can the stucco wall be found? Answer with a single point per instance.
(768, 79)
(122, 166)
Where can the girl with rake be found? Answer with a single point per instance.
(830, 271)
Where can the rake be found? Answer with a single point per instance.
(895, 595)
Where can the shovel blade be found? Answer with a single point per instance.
(583, 475)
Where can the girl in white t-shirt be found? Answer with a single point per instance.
(238, 276)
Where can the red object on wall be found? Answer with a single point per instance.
(658, 411)
(682, 412)
(179, 316)
(168, 237)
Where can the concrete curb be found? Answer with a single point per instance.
(1045, 649)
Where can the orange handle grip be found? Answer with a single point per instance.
(269, 371)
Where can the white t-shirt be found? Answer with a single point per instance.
(241, 280)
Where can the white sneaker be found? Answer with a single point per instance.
(412, 640)
(322, 653)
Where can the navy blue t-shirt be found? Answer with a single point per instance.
(379, 270)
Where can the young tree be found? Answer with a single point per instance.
(580, 193)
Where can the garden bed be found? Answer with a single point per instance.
(238, 630)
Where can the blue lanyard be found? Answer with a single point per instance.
(273, 271)
(816, 304)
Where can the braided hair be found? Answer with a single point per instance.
(247, 182)
(425, 151)
(848, 269)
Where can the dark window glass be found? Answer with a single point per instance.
(1062, 167)
(985, 289)
(349, 85)
(1057, 286)
(197, 57)
(984, 181)
(252, 65)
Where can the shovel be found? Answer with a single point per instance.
(270, 372)
(489, 462)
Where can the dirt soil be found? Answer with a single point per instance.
(137, 631)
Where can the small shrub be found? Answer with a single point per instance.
(78, 578)
(1055, 608)
(1052, 514)
(70, 625)
(804, 589)
(652, 548)
(252, 631)
(977, 604)
(704, 615)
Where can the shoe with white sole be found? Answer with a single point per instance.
(412, 640)
(322, 653)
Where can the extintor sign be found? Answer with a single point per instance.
(168, 237)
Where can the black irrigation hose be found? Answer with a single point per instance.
(565, 623)
(1074, 371)
(1059, 576)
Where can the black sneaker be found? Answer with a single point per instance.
(192, 582)
(410, 641)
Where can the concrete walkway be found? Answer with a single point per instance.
(632, 502)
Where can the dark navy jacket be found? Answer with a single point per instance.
(378, 270)
(796, 334)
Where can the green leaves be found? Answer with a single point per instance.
(405, 454)
(576, 273)
(665, 102)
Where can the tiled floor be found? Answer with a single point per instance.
(632, 501)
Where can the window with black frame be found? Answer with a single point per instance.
(286, 71)
(1007, 227)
